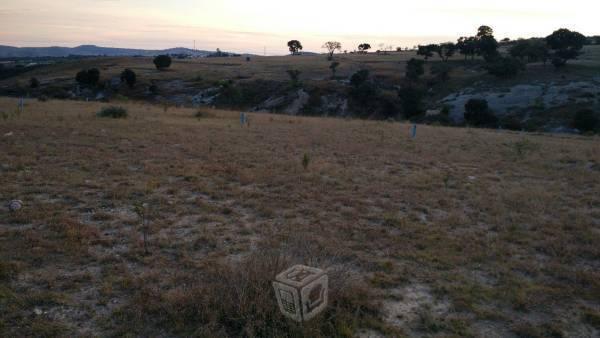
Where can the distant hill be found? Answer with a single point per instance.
(90, 50)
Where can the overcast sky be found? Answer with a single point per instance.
(252, 25)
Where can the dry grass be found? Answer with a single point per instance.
(459, 232)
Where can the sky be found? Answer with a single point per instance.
(257, 25)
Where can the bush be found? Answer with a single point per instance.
(238, 300)
(586, 120)
(113, 112)
(162, 61)
(359, 77)
(362, 90)
(34, 83)
(477, 113)
(505, 67)
(88, 76)
(411, 98)
(414, 69)
(128, 76)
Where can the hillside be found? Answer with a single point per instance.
(540, 98)
(458, 232)
(89, 50)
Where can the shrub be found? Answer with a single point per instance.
(128, 76)
(162, 61)
(359, 77)
(411, 98)
(238, 301)
(88, 76)
(414, 69)
(34, 83)
(586, 120)
(113, 112)
(362, 90)
(477, 113)
(505, 67)
(294, 75)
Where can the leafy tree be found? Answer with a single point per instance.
(488, 48)
(162, 62)
(477, 113)
(411, 98)
(363, 47)
(505, 67)
(586, 121)
(566, 45)
(446, 50)
(427, 50)
(530, 50)
(485, 31)
(414, 69)
(333, 67)
(331, 47)
(467, 46)
(128, 76)
(295, 46)
(362, 90)
(88, 76)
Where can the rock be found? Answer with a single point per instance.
(9, 134)
(296, 106)
(37, 311)
(15, 205)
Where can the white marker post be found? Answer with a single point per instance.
(301, 292)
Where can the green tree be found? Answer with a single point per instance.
(446, 50)
(467, 46)
(414, 69)
(411, 99)
(128, 76)
(566, 45)
(363, 47)
(162, 62)
(295, 46)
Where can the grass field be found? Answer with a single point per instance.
(459, 232)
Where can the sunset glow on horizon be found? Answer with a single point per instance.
(253, 26)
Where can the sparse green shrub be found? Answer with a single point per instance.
(586, 120)
(294, 75)
(162, 62)
(128, 76)
(305, 161)
(113, 112)
(477, 113)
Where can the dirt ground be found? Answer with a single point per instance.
(458, 232)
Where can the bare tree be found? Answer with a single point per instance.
(331, 47)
